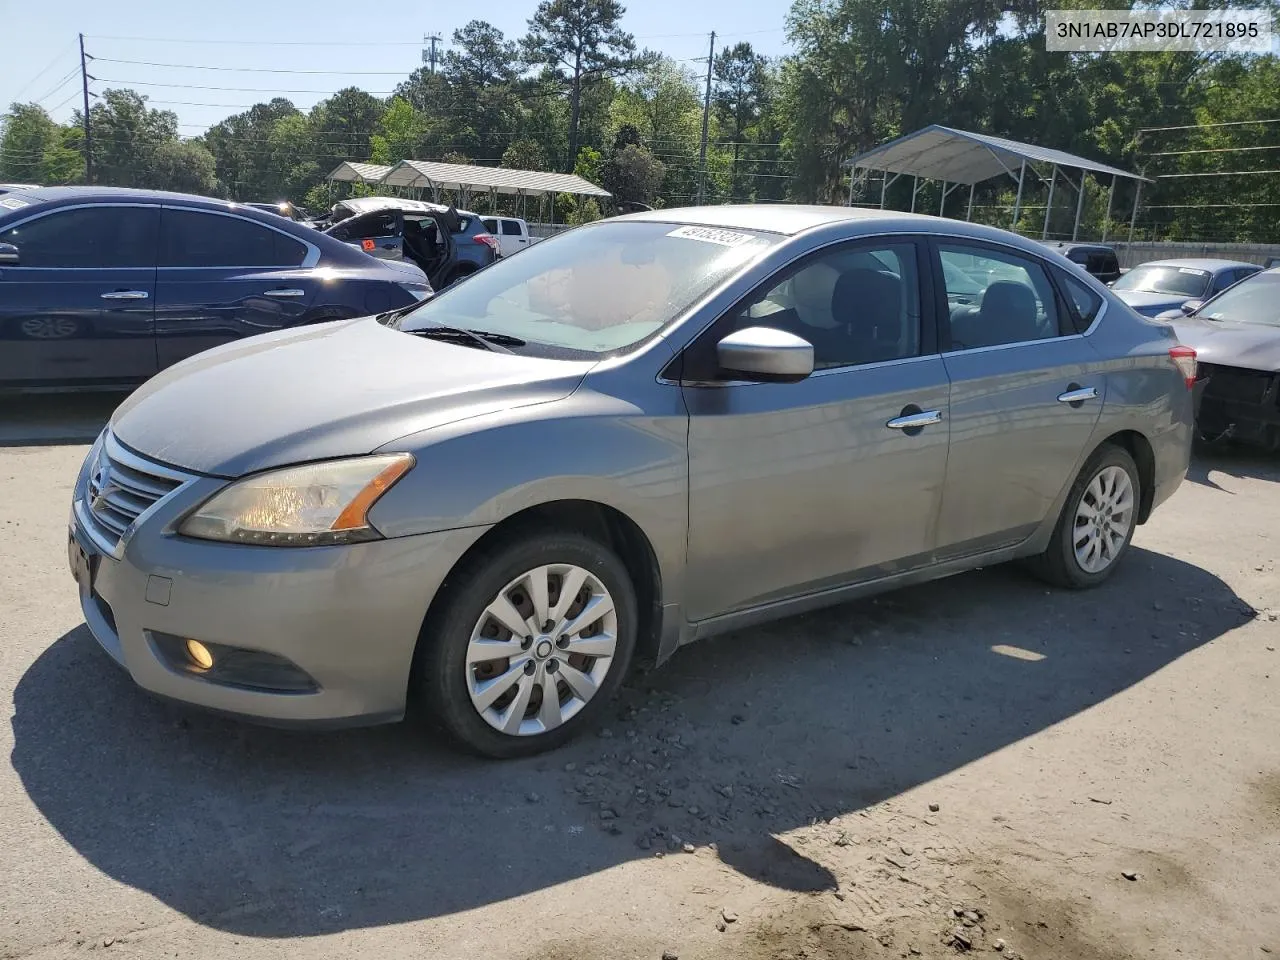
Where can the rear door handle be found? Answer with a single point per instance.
(287, 292)
(1077, 395)
(914, 421)
(126, 295)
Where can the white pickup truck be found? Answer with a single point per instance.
(512, 234)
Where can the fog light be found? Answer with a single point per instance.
(199, 654)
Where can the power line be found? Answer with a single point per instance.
(74, 72)
(268, 43)
(30, 83)
(1223, 173)
(197, 86)
(200, 66)
(1206, 126)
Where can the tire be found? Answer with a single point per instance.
(455, 683)
(1062, 564)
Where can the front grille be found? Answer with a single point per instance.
(121, 486)
(1233, 383)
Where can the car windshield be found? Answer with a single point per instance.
(595, 290)
(1175, 281)
(1251, 301)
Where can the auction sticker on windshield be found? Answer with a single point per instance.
(13, 203)
(725, 238)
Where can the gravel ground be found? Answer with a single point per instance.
(977, 765)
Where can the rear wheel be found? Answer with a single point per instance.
(533, 640)
(1097, 522)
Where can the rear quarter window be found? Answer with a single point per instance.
(1085, 302)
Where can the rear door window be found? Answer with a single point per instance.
(88, 237)
(510, 228)
(1017, 303)
(490, 224)
(192, 238)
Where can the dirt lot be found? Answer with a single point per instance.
(976, 765)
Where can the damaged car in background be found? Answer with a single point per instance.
(1236, 336)
(447, 243)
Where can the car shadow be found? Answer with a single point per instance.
(1234, 461)
(43, 420)
(738, 739)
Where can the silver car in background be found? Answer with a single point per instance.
(1236, 336)
(636, 434)
(1169, 288)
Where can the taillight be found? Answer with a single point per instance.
(488, 239)
(1184, 358)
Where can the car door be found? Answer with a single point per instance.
(1026, 393)
(77, 308)
(797, 487)
(222, 277)
(379, 234)
(514, 238)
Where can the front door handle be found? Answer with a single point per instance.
(1077, 395)
(287, 292)
(915, 421)
(126, 295)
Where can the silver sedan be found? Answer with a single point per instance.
(637, 434)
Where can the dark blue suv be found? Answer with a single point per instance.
(104, 287)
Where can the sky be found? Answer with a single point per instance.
(175, 46)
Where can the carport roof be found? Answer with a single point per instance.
(961, 156)
(461, 176)
(348, 171)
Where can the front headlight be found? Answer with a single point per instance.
(309, 505)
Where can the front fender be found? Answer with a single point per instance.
(602, 449)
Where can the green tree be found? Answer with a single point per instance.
(633, 174)
(33, 148)
(255, 151)
(524, 155)
(481, 57)
(184, 166)
(126, 135)
(741, 78)
(581, 43)
(400, 131)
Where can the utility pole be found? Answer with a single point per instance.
(430, 57)
(88, 130)
(706, 119)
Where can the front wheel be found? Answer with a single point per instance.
(533, 640)
(1097, 522)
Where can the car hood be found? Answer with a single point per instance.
(1252, 346)
(329, 390)
(1149, 304)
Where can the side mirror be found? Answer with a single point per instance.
(8, 255)
(1191, 306)
(766, 355)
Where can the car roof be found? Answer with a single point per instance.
(1198, 263)
(1071, 245)
(109, 194)
(793, 219)
(362, 205)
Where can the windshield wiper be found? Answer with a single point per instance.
(397, 313)
(497, 342)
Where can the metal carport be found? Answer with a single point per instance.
(466, 179)
(348, 172)
(960, 157)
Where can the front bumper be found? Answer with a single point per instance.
(348, 616)
(1240, 404)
